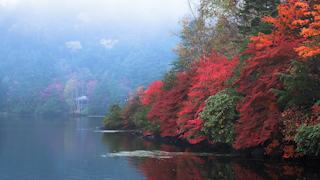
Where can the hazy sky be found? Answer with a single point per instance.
(93, 11)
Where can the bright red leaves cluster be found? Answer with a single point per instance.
(211, 75)
(259, 113)
(177, 109)
(150, 94)
(168, 104)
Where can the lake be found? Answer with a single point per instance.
(54, 148)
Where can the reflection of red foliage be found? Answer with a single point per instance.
(283, 172)
(169, 148)
(292, 171)
(272, 175)
(124, 143)
(191, 167)
(245, 174)
(160, 169)
(209, 78)
(179, 168)
(148, 143)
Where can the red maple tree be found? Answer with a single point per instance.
(259, 113)
(211, 74)
(169, 103)
(150, 94)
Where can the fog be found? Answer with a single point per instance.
(122, 15)
(116, 45)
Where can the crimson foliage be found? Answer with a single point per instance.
(210, 78)
(150, 94)
(168, 104)
(259, 113)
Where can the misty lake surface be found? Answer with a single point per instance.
(74, 148)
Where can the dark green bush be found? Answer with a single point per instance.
(308, 139)
(114, 119)
(140, 119)
(219, 116)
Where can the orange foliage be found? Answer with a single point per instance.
(292, 171)
(273, 145)
(290, 152)
(299, 19)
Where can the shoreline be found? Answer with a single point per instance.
(257, 152)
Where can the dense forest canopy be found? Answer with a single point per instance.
(53, 52)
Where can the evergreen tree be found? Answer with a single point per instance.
(301, 88)
(250, 16)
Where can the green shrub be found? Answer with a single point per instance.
(219, 116)
(308, 139)
(140, 119)
(51, 106)
(114, 119)
(21, 110)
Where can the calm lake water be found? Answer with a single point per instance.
(54, 148)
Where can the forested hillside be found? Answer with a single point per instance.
(247, 75)
(50, 59)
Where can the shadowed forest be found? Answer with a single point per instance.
(247, 74)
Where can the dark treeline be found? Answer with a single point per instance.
(247, 74)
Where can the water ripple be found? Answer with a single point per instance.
(158, 154)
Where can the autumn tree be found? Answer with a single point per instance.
(272, 55)
(78, 85)
(250, 13)
(70, 94)
(52, 99)
(209, 78)
(212, 25)
(147, 98)
(169, 102)
(259, 113)
(133, 104)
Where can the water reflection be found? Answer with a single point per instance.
(57, 148)
(161, 161)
